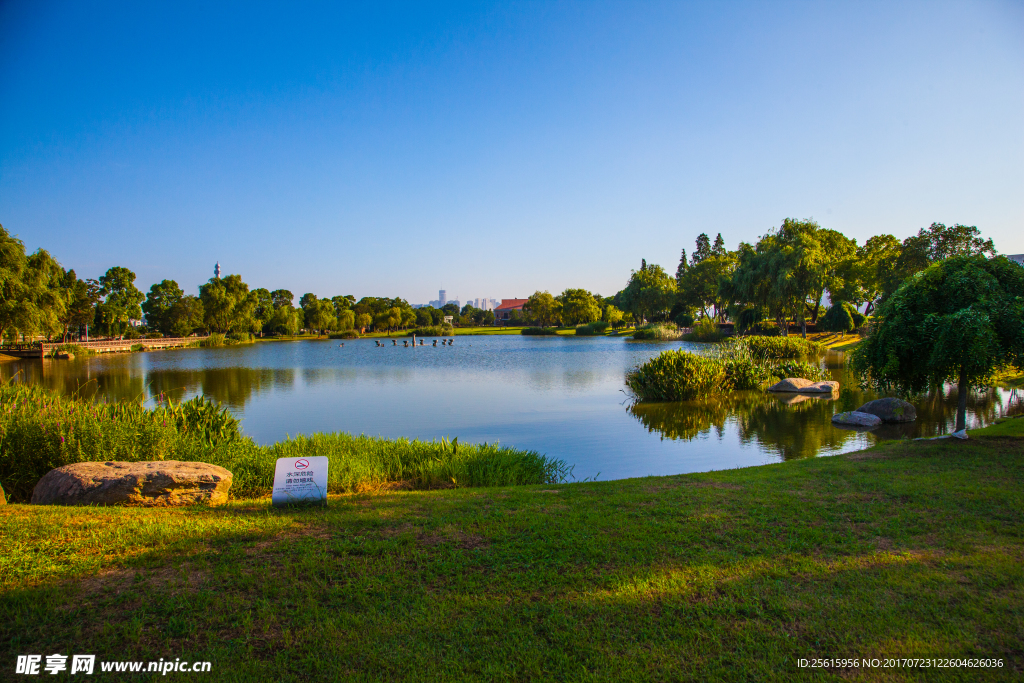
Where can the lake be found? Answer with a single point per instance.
(562, 396)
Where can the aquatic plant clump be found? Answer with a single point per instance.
(41, 430)
(679, 375)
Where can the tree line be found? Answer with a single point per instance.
(39, 297)
(785, 276)
(780, 279)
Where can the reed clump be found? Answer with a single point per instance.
(41, 430)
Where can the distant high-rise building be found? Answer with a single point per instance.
(441, 296)
(216, 270)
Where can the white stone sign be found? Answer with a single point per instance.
(300, 480)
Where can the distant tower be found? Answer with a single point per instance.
(216, 270)
(441, 297)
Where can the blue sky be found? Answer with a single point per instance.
(388, 149)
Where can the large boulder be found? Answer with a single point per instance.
(890, 410)
(855, 419)
(149, 484)
(799, 385)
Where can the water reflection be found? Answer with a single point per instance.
(780, 425)
(799, 426)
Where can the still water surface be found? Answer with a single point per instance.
(562, 396)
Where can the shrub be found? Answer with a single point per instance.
(538, 330)
(657, 332)
(592, 329)
(238, 338)
(154, 335)
(837, 319)
(131, 333)
(434, 331)
(347, 334)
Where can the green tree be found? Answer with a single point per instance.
(80, 299)
(159, 301)
(702, 285)
(650, 292)
(185, 316)
(959, 321)
(363, 320)
(933, 244)
(123, 299)
(281, 297)
(319, 314)
(543, 308)
(789, 270)
(226, 305)
(262, 305)
(343, 303)
(286, 320)
(346, 320)
(45, 279)
(612, 316)
(579, 307)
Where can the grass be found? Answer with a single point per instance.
(41, 430)
(909, 549)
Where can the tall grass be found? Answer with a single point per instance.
(41, 430)
(657, 332)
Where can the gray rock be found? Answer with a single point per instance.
(799, 385)
(149, 484)
(855, 419)
(890, 410)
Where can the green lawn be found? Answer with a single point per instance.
(907, 549)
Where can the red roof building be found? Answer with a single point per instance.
(503, 312)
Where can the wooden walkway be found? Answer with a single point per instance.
(41, 349)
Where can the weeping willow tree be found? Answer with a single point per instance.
(958, 321)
